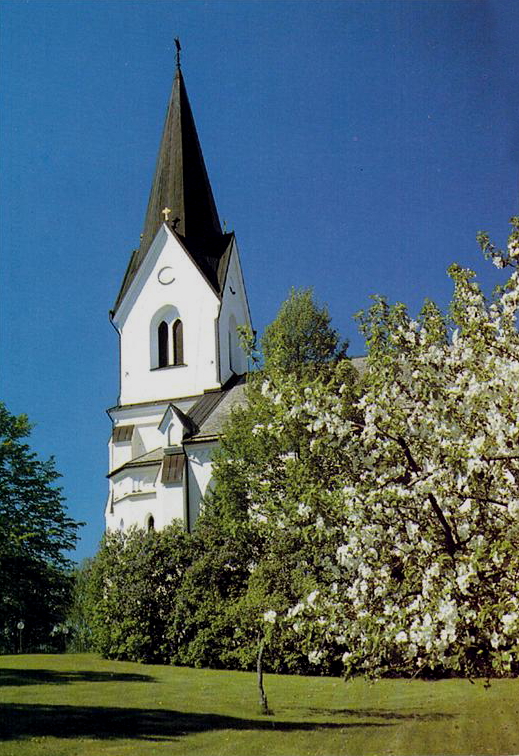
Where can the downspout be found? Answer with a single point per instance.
(111, 316)
(187, 524)
(217, 345)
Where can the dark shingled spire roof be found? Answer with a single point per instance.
(182, 185)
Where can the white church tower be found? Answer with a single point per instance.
(177, 313)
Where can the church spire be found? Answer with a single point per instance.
(181, 182)
(181, 187)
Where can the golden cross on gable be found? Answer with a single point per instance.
(166, 213)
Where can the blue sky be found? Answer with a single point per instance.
(356, 147)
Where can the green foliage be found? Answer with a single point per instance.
(132, 592)
(35, 580)
(205, 629)
(301, 339)
(77, 624)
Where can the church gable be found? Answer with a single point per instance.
(174, 426)
(166, 323)
(166, 267)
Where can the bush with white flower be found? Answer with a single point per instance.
(419, 488)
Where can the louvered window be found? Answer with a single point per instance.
(172, 468)
(122, 433)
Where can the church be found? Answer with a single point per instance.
(177, 314)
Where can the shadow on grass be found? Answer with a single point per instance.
(51, 677)
(381, 714)
(21, 721)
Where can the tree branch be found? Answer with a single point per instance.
(449, 538)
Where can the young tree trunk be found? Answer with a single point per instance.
(259, 666)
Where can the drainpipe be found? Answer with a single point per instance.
(187, 524)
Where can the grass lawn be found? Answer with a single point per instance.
(81, 705)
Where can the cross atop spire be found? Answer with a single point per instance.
(177, 44)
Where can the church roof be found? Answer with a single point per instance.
(122, 433)
(181, 184)
(204, 407)
(360, 364)
(153, 457)
(214, 408)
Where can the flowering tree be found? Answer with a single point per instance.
(419, 493)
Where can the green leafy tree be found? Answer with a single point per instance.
(301, 338)
(35, 531)
(77, 623)
(133, 583)
(207, 628)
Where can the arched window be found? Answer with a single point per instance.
(163, 344)
(166, 338)
(178, 343)
(151, 523)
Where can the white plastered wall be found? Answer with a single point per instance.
(120, 452)
(137, 493)
(129, 499)
(183, 293)
(234, 312)
(199, 457)
(146, 434)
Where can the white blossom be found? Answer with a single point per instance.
(314, 657)
(509, 622)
